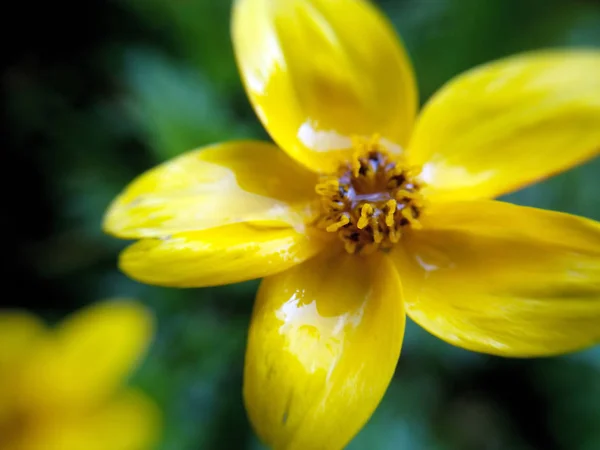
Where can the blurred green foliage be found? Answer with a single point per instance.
(157, 78)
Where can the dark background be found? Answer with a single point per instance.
(96, 92)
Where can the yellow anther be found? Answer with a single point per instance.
(350, 246)
(336, 205)
(376, 230)
(391, 206)
(342, 221)
(403, 193)
(328, 187)
(365, 213)
(407, 214)
(355, 165)
(395, 234)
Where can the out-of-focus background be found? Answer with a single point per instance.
(96, 92)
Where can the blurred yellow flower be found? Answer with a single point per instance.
(61, 389)
(371, 212)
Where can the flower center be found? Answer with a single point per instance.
(370, 200)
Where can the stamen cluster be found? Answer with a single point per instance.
(370, 200)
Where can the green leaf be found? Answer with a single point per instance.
(176, 108)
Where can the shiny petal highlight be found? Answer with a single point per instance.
(219, 185)
(504, 279)
(318, 72)
(509, 123)
(324, 340)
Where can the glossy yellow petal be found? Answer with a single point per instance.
(324, 340)
(320, 71)
(218, 256)
(218, 185)
(509, 123)
(504, 279)
(129, 422)
(89, 356)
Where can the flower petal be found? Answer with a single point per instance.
(20, 332)
(323, 344)
(504, 279)
(219, 185)
(318, 72)
(89, 356)
(218, 256)
(129, 422)
(509, 123)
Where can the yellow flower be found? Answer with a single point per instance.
(61, 389)
(371, 213)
